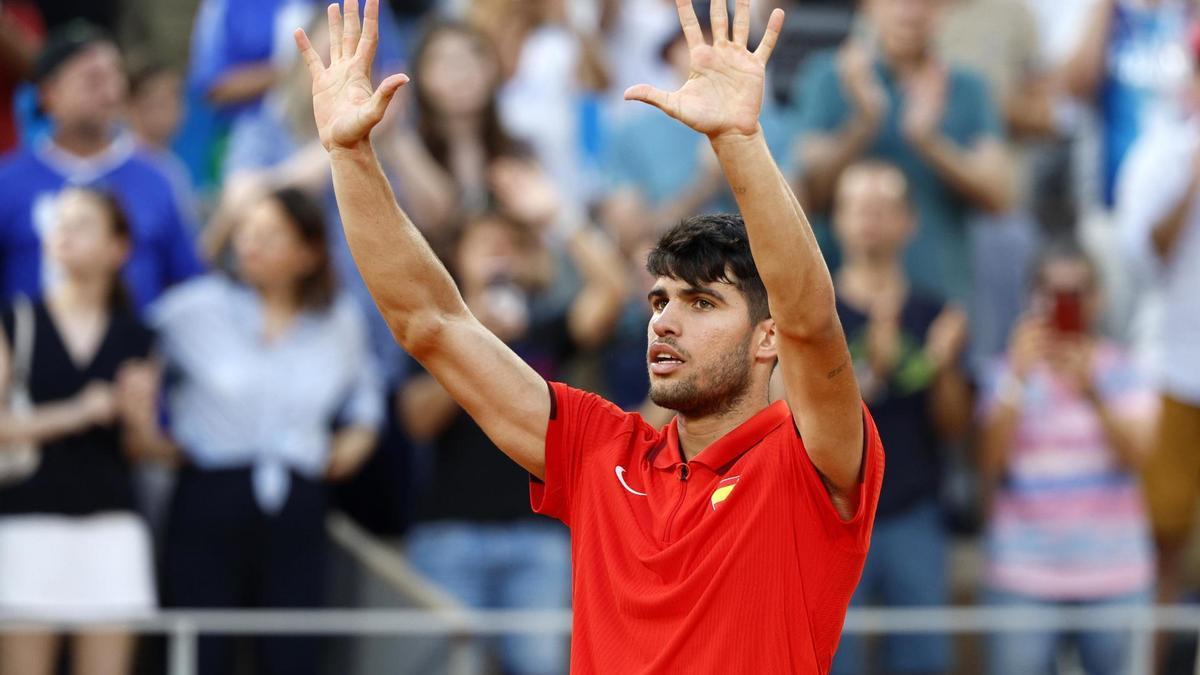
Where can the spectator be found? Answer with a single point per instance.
(20, 37)
(155, 111)
(554, 72)
(155, 106)
(237, 56)
(71, 542)
(253, 420)
(935, 122)
(1066, 420)
(998, 40)
(82, 90)
(1131, 61)
(1158, 213)
(1110, 68)
(476, 536)
(441, 156)
(907, 349)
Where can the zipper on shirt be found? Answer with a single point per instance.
(684, 472)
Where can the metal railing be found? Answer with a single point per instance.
(184, 627)
(437, 615)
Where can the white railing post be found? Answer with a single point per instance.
(182, 648)
(1141, 651)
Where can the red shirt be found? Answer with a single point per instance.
(733, 562)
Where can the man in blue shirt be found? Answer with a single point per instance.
(82, 90)
(894, 100)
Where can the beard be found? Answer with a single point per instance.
(714, 390)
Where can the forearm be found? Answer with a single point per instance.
(1083, 70)
(824, 156)
(144, 440)
(426, 408)
(243, 84)
(1165, 233)
(46, 422)
(597, 307)
(1121, 438)
(1030, 112)
(982, 177)
(950, 402)
(998, 434)
(414, 292)
(428, 190)
(782, 242)
(693, 199)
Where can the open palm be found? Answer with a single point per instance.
(723, 94)
(345, 104)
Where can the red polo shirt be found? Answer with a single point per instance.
(734, 562)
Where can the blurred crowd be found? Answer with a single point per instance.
(193, 373)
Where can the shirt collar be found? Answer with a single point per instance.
(728, 447)
(84, 170)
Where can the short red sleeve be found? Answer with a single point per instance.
(581, 425)
(855, 533)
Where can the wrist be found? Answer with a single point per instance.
(736, 137)
(358, 152)
(1011, 390)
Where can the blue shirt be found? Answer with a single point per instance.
(30, 179)
(237, 400)
(937, 260)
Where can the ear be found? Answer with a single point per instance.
(766, 341)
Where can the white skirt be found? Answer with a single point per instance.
(97, 567)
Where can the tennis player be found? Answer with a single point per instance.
(732, 539)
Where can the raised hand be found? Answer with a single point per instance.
(345, 104)
(724, 92)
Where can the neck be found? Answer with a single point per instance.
(279, 301)
(81, 295)
(862, 278)
(697, 433)
(151, 141)
(462, 128)
(82, 142)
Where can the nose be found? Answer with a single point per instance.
(666, 322)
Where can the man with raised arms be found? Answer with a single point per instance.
(732, 539)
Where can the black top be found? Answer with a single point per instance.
(902, 412)
(83, 473)
(470, 478)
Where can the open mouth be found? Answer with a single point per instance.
(663, 359)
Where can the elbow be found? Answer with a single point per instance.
(811, 318)
(423, 335)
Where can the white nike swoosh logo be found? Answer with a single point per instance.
(621, 477)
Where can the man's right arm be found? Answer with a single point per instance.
(411, 287)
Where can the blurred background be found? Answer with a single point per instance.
(203, 409)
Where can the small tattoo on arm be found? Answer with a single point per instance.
(838, 371)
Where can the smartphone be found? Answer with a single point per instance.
(1067, 313)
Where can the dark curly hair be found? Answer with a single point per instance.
(704, 249)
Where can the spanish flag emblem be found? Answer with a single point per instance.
(724, 489)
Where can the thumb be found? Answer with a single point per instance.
(652, 95)
(387, 89)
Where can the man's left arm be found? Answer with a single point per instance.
(722, 99)
(813, 357)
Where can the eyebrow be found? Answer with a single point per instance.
(690, 291)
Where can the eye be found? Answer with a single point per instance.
(701, 303)
(658, 304)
